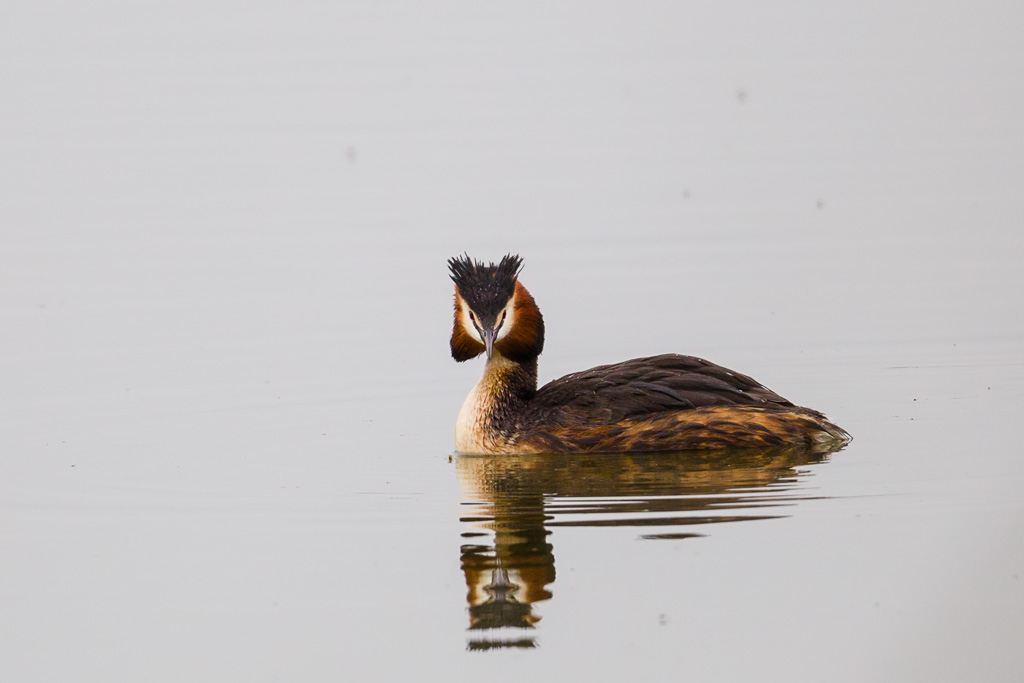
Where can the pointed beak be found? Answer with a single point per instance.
(489, 336)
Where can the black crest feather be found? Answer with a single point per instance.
(486, 288)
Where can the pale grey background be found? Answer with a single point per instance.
(227, 404)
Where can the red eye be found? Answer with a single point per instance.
(472, 317)
(503, 314)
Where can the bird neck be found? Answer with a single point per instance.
(488, 419)
(509, 382)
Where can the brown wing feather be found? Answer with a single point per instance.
(646, 387)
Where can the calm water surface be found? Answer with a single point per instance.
(521, 500)
(227, 407)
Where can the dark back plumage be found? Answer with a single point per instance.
(667, 402)
(646, 386)
(486, 288)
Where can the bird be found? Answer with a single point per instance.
(660, 403)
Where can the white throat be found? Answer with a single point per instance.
(473, 433)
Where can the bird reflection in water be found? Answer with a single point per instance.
(515, 501)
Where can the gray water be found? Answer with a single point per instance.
(227, 407)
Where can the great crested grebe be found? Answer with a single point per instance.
(661, 403)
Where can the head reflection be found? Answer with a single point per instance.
(513, 502)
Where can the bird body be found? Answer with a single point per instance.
(661, 403)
